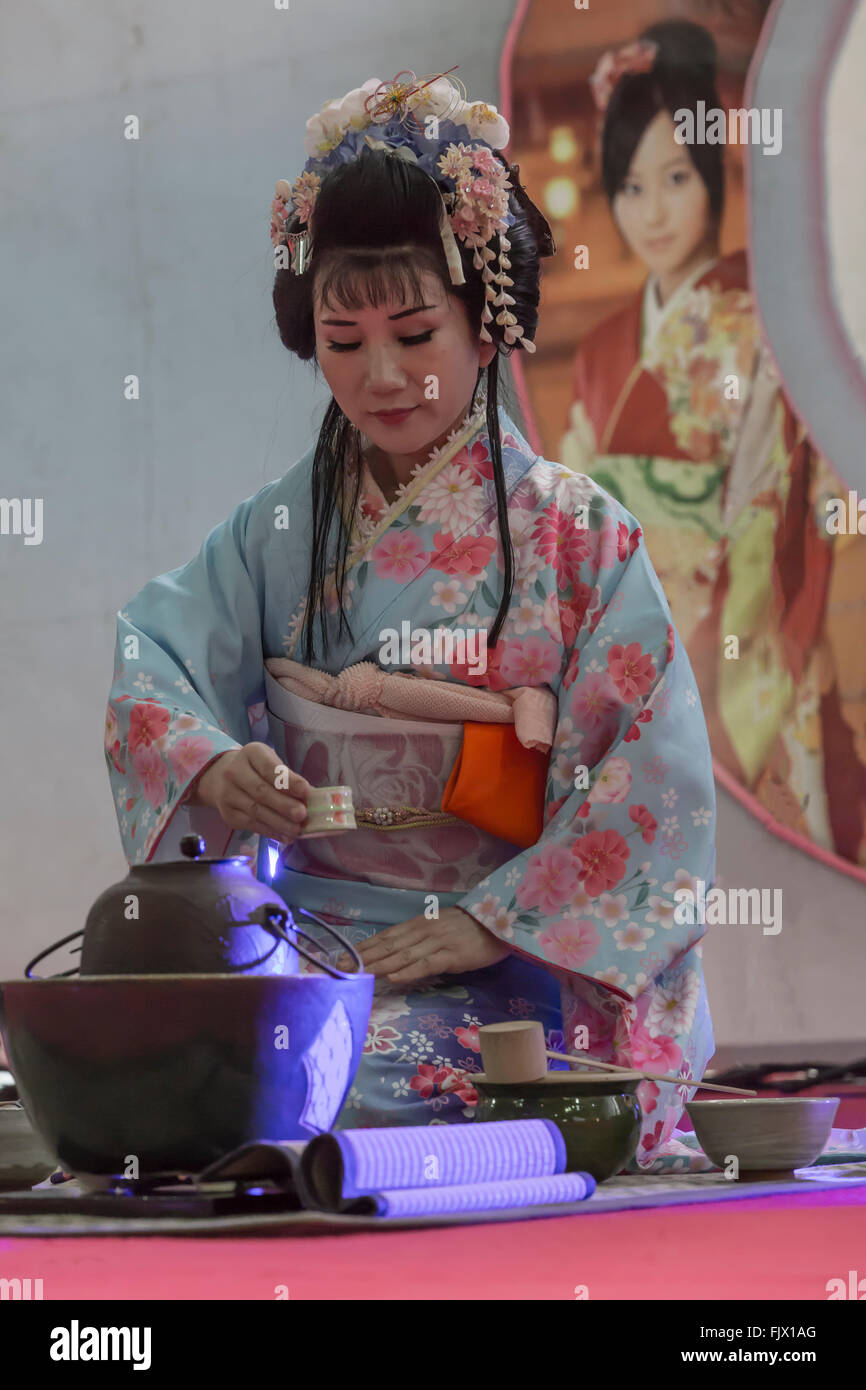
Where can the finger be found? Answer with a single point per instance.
(427, 966)
(395, 960)
(247, 788)
(392, 939)
(250, 814)
(267, 764)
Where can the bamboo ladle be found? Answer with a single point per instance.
(515, 1052)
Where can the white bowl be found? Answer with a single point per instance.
(764, 1133)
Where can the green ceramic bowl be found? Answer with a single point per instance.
(598, 1114)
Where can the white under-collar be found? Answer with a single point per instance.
(654, 314)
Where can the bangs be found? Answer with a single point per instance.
(361, 278)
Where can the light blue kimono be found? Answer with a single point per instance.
(597, 941)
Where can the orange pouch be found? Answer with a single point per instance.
(498, 785)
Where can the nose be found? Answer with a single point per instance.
(384, 373)
(655, 210)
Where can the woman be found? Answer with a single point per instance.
(679, 413)
(546, 897)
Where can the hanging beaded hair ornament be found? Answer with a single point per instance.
(428, 123)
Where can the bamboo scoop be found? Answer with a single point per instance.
(515, 1052)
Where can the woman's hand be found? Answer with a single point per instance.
(242, 786)
(450, 945)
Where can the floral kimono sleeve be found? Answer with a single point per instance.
(188, 670)
(629, 821)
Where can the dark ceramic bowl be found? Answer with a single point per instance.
(598, 1115)
(24, 1159)
(176, 1070)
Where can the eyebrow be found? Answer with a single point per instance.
(352, 323)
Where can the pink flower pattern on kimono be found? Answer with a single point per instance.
(466, 557)
(149, 768)
(613, 782)
(187, 755)
(529, 661)
(602, 856)
(631, 670)
(399, 555)
(656, 1052)
(549, 880)
(594, 701)
(570, 942)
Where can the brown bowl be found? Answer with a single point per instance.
(764, 1134)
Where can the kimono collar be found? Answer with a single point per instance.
(654, 314)
(375, 514)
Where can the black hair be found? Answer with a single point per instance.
(684, 73)
(375, 231)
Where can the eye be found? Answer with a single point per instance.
(630, 187)
(412, 342)
(681, 176)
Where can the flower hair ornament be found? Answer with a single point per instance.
(611, 66)
(430, 124)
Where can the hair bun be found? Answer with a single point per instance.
(683, 44)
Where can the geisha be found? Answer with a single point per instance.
(521, 830)
(678, 411)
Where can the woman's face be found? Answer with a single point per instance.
(663, 207)
(422, 356)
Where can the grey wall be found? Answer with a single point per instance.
(153, 257)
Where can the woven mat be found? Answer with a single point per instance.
(622, 1193)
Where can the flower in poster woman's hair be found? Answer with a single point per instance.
(549, 881)
(570, 942)
(602, 855)
(399, 555)
(647, 822)
(614, 64)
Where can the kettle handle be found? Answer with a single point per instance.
(49, 951)
(278, 917)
